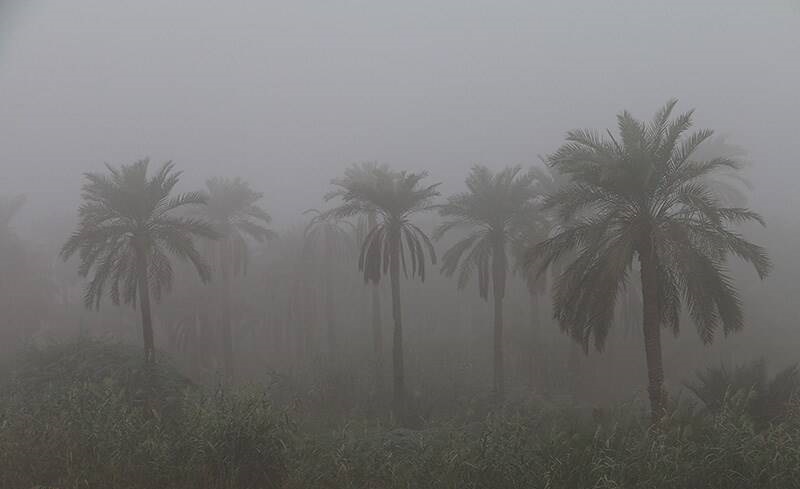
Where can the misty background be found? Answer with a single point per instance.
(286, 95)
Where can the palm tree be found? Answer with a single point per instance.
(392, 244)
(644, 197)
(127, 227)
(495, 208)
(328, 238)
(9, 207)
(232, 211)
(367, 174)
(531, 232)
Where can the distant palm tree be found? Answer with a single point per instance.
(330, 240)
(393, 244)
(495, 208)
(9, 207)
(233, 212)
(644, 197)
(127, 227)
(367, 173)
(531, 232)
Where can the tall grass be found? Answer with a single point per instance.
(86, 416)
(74, 428)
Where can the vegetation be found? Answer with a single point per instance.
(328, 241)
(394, 197)
(646, 220)
(643, 197)
(765, 400)
(231, 208)
(73, 417)
(69, 422)
(127, 227)
(496, 208)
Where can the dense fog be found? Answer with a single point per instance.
(277, 100)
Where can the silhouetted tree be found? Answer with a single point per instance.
(328, 240)
(643, 197)
(367, 173)
(394, 244)
(127, 227)
(232, 211)
(495, 208)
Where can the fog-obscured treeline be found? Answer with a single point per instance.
(297, 290)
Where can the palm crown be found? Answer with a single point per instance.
(128, 227)
(645, 195)
(232, 211)
(497, 208)
(393, 197)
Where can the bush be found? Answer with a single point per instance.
(763, 399)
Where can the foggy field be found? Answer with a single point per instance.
(399, 245)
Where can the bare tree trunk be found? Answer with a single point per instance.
(652, 334)
(144, 306)
(499, 283)
(397, 343)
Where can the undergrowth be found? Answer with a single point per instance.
(78, 416)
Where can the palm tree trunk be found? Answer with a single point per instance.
(377, 330)
(144, 306)
(397, 344)
(227, 331)
(652, 334)
(330, 310)
(377, 338)
(498, 386)
(499, 282)
(534, 353)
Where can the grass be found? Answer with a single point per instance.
(73, 417)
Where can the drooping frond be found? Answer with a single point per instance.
(392, 198)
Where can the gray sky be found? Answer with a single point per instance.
(285, 94)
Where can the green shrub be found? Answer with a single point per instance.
(763, 399)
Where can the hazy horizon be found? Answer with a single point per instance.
(286, 95)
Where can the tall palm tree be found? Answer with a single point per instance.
(495, 207)
(531, 232)
(367, 173)
(393, 244)
(328, 239)
(233, 212)
(644, 197)
(127, 227)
